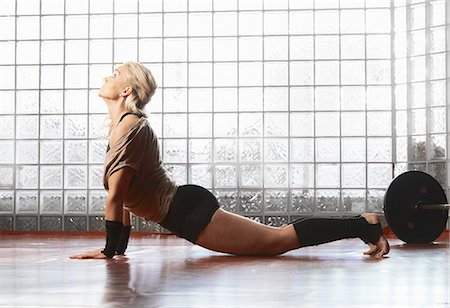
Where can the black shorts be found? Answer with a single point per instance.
(190, 212)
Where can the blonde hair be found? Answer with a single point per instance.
(143, 87)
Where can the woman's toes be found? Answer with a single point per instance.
(372, 249)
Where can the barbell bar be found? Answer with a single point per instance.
(416, 207)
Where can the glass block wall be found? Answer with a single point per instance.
(281, 108)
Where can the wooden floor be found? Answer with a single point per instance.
(164, 271)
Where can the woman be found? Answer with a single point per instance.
(137, 182)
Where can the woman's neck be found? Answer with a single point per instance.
(115, 110)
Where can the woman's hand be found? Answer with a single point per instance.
(92, 254)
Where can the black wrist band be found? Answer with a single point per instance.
(113, 230)
(123, 241)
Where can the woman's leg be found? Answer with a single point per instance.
(231, 233)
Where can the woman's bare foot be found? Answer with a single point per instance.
(381, 247)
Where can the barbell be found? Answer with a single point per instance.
(415, 207)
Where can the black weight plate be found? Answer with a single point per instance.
(407, 223)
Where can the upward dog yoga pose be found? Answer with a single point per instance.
(137, 182)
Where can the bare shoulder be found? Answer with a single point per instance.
(123, 127)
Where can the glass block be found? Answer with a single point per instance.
(276, 99)
(251, 201)
(7, 96)
(417, 123)
(352, 72)
(77, 26)
(175, 74)
(27, 102)
(353, 149)
(328, 200)
(175, 24)
(96, 74)
(225, 150)
(75, 76)
(52, 76)
(50, 202)
(50, 223)
(27, 127)
(75, 176)
(100, 51)
(7, 178)
(97, 223)
(302, 175)
(175, 150)
(418, 95)
(200, 150)
(353, 175)
(275, 221)
(400, 48)
(417, 43)
(175, 125)
(8, 28)
(302, 150)
(327, 123)
(175, 100)
(200, 125)
(7, 74)
(75, 201)
(27, 27)
(250, 124)
(95, 176)
(327, 150)
(6, 223)
(353, 123)
(150, 25)
(225, 176)
(6, 201)
(378, 71)
(378, 21)
(27, 176)
(402, 149)
(400, 97)
(375, 200)
(301, 47)
(149, 226)
(200, 24)
(51, 152)
(416, 148)
(75, 151)
(276, 150)
(225, 24)
(437, 66)
(76, 51)
(250, 23)
(75, 224)
(125, 25)
(250, 176)
(302, 200)
(52, 101)
(177, 173)
(379, 97)
(379, 124)
(353, 47)
(52, 27)
(276, 176)
(227, 199)
(301, 99)
(97, 201)
(437, 93)
(250, 150)
(326, 47)
(150, 50)
(417, 167)
(439, 172)
(26, 223)
(417, 68)
(378, 46)
(7, 124)
(50, 177)
(302, 124)
(275, 22)
(27, 152)
(200, 49)
(250, 74)
(327, 175)
(98, 127)
(327, 72)
(301, 73)
(276, 48)
(379, 175)
(354, 201)
(250, 99)
(438, 147)
(250, 48)
(27, 52)
(379, 149)
(175, 50)
(326, 98)
(353, 98)
(437, 13)
(27, 201)
(201, 175)
(200, 74)
(7, 153)
(326, 22)
(200, 100)
(399, 168)
(77, 6)
(352, 21)
(225, 99)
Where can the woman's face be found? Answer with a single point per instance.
(114, 85)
